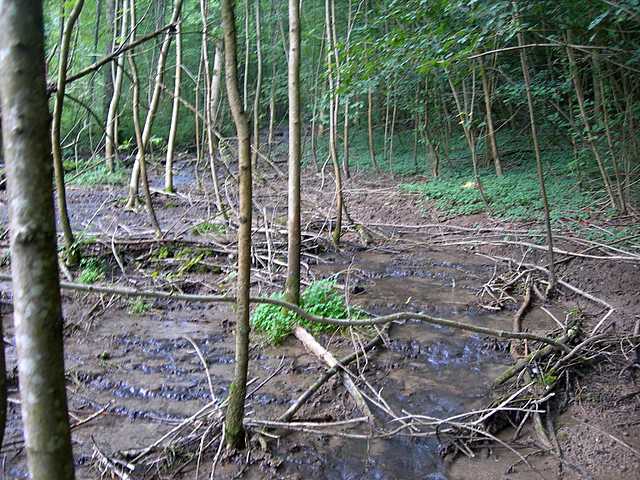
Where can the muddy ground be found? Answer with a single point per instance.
(136, 361)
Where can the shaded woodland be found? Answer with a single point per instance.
(324, 238)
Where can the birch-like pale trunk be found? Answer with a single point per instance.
(171, 142)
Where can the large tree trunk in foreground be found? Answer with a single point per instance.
(234, 429)
(293, 262)
(34, 260)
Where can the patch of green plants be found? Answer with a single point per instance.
(161, 253)
(92, 270)
(100, 175)
(207, 227)
(139, 306)
(70, 165)
(321, 298)
(514, 196)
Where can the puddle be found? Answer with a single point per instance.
(153, 378)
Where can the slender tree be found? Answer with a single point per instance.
(488, 108)
(111, 132)
(234, 429)
(153, 105)
(536, 148)
(55, 132)
(135, 111)
(293, 264)
(171, 142)
(34, 265)
(255, 148)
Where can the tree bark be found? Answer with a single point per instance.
(491, 135)
(212, 89)
(34, 260)
(171, 142)
(587, 126)
(333, 118)
(536, 148)
(293, 263)
(110, 35)
(71, 256)
(153, 105)
(135, 110)
(466, 117)
(234, 429)
(111, 144)
(256, 99)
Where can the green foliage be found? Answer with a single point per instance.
(161, 253)
(139, 306)
(207, 227)
(515, 196)
(99, 175)
(320, 298)
(92, 270)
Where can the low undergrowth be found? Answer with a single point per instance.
(92, 270)
(99, 175)
(321, 298)
(514, 196)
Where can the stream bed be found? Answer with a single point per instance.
(145, 366)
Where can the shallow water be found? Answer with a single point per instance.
(150, 373)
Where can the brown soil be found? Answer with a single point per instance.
(143, 364)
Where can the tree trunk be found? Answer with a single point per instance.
(587, 126)
(153, 106)
(71, 256)
(466, 117)
(34, 261)
(293, 261)
(135, 110)
(234, 429)
(247, 58)
(333, 128)
(256, 99)
(171, 142)
(108, 73)
(212, 88)
(372, 148)
(491, 135)
(111, 133)
(536, 148)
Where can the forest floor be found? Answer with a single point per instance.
(133, 360)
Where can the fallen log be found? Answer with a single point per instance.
(312, 345)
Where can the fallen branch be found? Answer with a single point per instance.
(319, 351)
(288, 415)
(395, 317)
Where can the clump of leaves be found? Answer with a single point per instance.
(69, 165)
(139, 306)
(93, 270)
(100, 175)
(208, 227)
(161, 253)
(321, 299)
